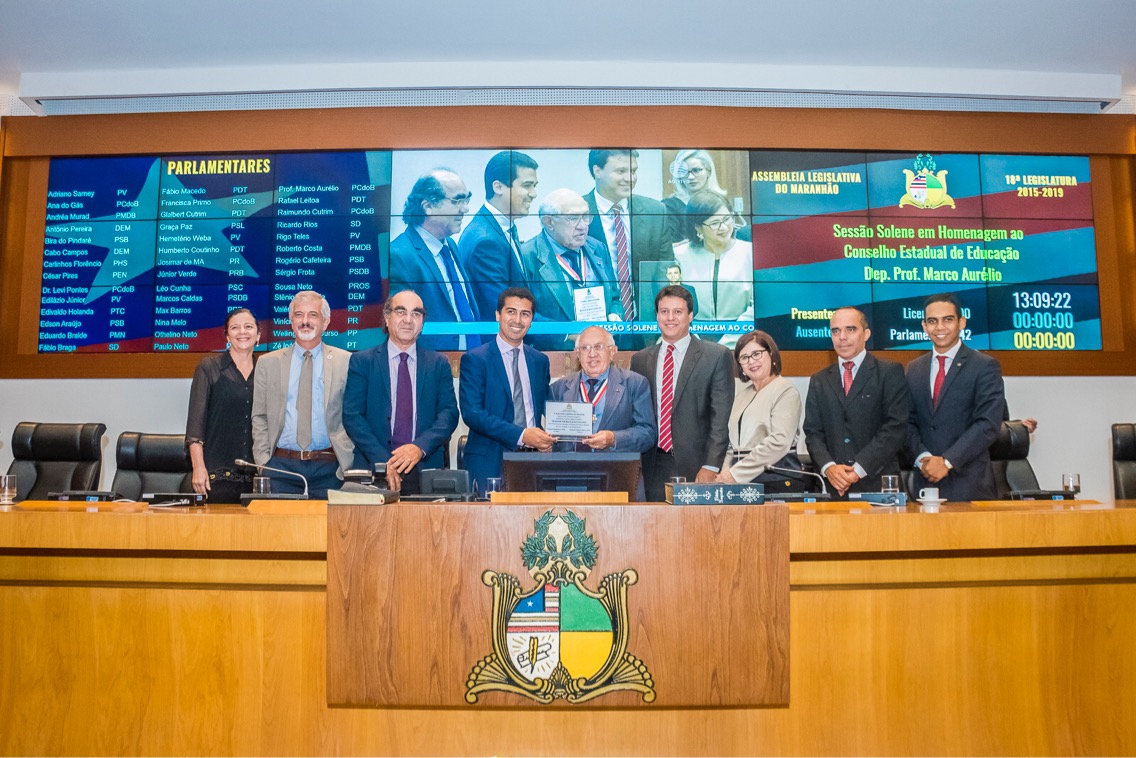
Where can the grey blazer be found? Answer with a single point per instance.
(270, 393)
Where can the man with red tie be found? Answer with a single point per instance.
(692, 386)
(856, 410)
(958, 402)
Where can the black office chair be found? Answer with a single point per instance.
(151, 463)
(56, 457)
(1124, 461)
(1008, 459)
(461, 452)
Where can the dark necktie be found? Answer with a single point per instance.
(939, 379)
(404, 405)
(461, 302)
(592, 384)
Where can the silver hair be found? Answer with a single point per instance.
(325, 309)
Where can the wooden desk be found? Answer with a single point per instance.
(999, 629)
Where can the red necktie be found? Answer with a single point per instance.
(622, 265)
(939, 378)
(667, 401)
(848, 375)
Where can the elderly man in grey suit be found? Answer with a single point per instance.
(568, 270)
(297, 404)
(622, 419)
(692, 386)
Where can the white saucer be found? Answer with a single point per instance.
(940, 501)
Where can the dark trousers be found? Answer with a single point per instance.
(320, 475)
(658, 468)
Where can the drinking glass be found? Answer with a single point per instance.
(7, 489)
(889, 483)
(261, 485)
(1071, 483)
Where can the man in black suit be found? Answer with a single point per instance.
(958, 402)
(630, 239)
(399, 406)
(856, 410)
(489, 248)
(692, 387)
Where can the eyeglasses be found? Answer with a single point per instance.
(458, 199)
(589, 349)
(720, 222)
(401, 312)
(696, 171)
(574, 220)
(752, 356)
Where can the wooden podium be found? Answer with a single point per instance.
(432, 604)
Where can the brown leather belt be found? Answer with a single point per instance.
(328, 454)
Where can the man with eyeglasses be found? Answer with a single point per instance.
(399, 406)
(958, 403)
(570, 275)
(424, 257)
(623, 419)
(490, 247)
(856, 410)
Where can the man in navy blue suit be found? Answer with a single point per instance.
(399, 406)
(424, 258)
(489, 248)
(958, 402)
(503, 386)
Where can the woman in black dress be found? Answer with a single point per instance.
(218, 429)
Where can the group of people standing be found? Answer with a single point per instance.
(315, 410)
(586, 262)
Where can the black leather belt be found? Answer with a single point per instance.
(327, 454)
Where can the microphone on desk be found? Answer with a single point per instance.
(794, 473)
(258, 467)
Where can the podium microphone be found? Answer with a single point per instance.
(794, 473)
(286, 472)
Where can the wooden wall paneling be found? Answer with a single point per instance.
(409, 614)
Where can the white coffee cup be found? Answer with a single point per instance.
(929, 493)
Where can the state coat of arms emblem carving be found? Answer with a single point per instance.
(559, 639)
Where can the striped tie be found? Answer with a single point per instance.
(667, 402)
(622, 264)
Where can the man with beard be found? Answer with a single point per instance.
(297, 404)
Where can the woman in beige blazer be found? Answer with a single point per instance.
(765, 418)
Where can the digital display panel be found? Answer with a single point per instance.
(149, 253)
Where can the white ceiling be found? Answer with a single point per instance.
(108, 48)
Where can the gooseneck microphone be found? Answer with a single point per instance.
(796, 473)
(286, 472)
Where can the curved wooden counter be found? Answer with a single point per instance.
(984, 629)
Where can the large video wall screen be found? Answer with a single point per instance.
(148, 253)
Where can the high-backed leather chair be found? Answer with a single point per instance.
(1124, 461)
(151, 463)
(1008, 458)
(56, 457)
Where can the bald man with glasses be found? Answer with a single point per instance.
(569, 273)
